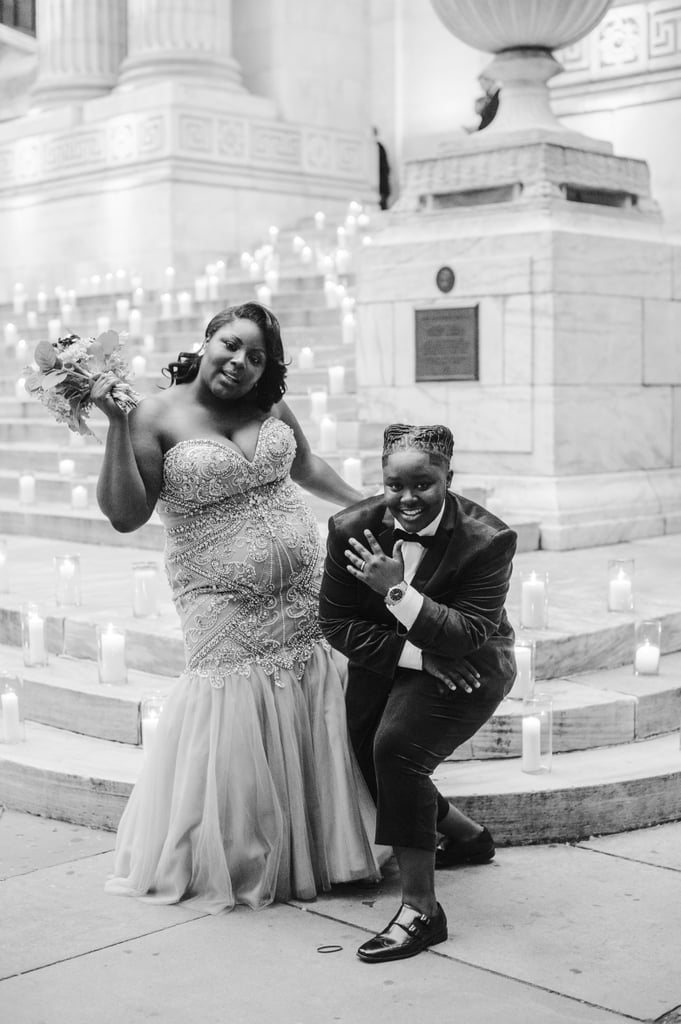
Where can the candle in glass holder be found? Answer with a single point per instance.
(166, 306)
(306, 254)
(348, 329)
(20, 392)
(330, 293)
(67, 579)
(111, 655)
(42, 302)
(297, 244)
(327, 434)
(103, 324)
(79, 499)
(319, 220)
(31, 319)
(533, 601)
(343, 261)
(148, 343)
(135, 323)
(305, 359)
(11, 334)
(169, 276)
(352, 472)
(620, 585)
(201, 289)
(145, 589)
(53, 329)
(336, 380)
(138, 365)
(272, 280)
(33, 635)
(19, 299)
(12, 723)
(317, 404)
(67, 468)
(523, 686)
(122, 308)
(152, 708)
(264, 294)
(184, 304)
(26, 489)
(647, 647)
(537, 735)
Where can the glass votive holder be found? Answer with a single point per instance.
(67, 579)
(66, 466)
(647, 645)
(33, 635)
(620, 585)
(4, 576)
(534, 600)
(152, 707)
(146, 581)
(523, 686)
(79, 494)
(12, 728)
(111, 655)
(27, 489)
(537, 735)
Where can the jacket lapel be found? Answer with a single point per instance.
(434, 555)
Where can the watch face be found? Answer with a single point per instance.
(395, 593)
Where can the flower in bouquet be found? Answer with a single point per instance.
(67, 370)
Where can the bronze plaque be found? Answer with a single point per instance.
(447, 343)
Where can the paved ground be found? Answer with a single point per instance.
(585, 934)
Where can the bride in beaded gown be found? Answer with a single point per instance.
(250, 792)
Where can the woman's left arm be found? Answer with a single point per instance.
(311, 471)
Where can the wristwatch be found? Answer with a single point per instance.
(396, 593)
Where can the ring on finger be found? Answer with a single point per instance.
(362, 565)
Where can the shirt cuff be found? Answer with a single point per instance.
(411, 657)
(407, 610)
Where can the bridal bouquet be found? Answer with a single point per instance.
(67, 370)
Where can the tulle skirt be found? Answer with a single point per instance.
(249, 794)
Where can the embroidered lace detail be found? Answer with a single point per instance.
(243, 556)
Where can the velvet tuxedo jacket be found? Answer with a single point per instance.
(464, 578)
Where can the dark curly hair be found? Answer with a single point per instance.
(271, 386)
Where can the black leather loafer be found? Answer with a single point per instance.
(409, 933)
(478, 850)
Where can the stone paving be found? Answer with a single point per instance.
(567, 934)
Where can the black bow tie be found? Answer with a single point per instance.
(414, 538)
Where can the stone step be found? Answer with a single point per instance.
(68, 777)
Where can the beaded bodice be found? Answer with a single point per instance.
(243, 555)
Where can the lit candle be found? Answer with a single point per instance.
(347, 304)
(103, 324)
(366, 239)
(184, 304)
(350, 224)
(317, 404)
(67, 467)
(11, 334)
(145, 591)
(109, 283)
(336, 380)
(122, 308)
(263, 294)
(32, 319)
(66, 311)
(305, 359)
(67, 582)
(19, 301)
(352, 472)
(213, 287)
(254, 271)
(42, 302)
(341, 235)
(619, 593)
(306, 254)
(21, 350)
(95, 282)
(354, 207)
(272, 280)
(148, 343)
(343, 261)
(26, 489)
(135, 323)
(20, 392)
(37, 654)
(169, 277)
(531, 744)
(149, 726)
(120, 278)
(348, 329)
(319, 220)
(327, 434)
(246, 260)
(524, 682)
(647, 659)
(138, 365)
(53, 329)
(166, 305)
(533, 603)
(274, 234)
(201, 289)
(363, 220)
(331, 293)
(79, 496)
(297, 244)
(10, 717)
(111, 656)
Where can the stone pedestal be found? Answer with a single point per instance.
(575, 416)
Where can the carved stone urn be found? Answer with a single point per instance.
(522, 35)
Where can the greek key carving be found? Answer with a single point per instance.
(665, 30)
(196, 133)
(76, 150)
(231, 138)
(269, 143)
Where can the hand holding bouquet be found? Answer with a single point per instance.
(67, 371)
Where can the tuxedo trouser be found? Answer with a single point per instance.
(421, 723)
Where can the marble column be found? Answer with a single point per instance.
(80, 47)
(170, 39)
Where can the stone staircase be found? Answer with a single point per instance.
(617, 762)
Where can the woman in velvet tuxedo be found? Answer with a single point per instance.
(413, 594)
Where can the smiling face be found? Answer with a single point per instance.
(234, 359)
(415, 484)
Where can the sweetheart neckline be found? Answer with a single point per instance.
(231, 447)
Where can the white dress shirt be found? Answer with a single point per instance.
(407, 609)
